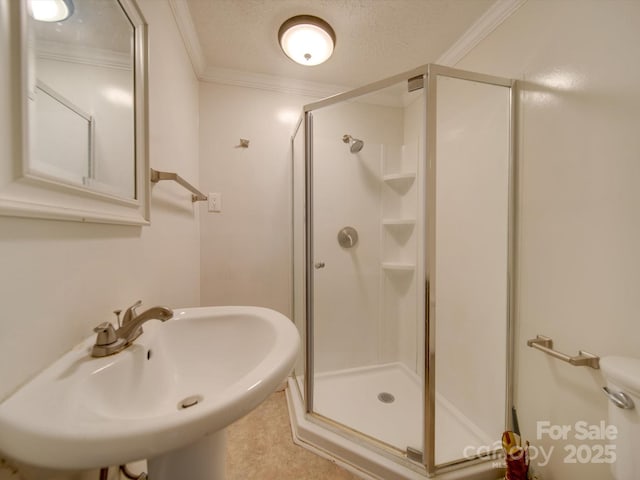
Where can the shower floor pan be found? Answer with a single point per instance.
(385, 402)
(352, 398)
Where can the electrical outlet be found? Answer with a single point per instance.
(215, 202)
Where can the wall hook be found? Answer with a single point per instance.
(244, 143)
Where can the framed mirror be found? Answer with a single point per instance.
(80, 112)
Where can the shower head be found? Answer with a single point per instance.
(356, 145)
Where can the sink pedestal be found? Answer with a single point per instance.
(202, 460)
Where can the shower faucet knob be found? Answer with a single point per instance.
(348, 237)
(319, 265)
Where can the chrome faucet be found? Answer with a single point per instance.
(110, 341)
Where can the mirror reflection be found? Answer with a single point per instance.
(81, 95)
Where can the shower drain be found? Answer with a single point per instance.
(386, 397)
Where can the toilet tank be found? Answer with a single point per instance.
(622, 374)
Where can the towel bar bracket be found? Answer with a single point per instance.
(583, 359)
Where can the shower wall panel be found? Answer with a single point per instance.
(347, 193)
(399, 252)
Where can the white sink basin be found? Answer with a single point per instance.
(85, 412)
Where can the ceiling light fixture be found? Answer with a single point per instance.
(307, 40)
(51, 10)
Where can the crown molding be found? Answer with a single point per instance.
(184, 20)
(64, 52)
(487, 23)
(273, 83)
(481, 28)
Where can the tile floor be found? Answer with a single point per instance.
(260, 447)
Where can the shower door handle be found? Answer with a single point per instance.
(319, 265)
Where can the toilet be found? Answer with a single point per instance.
(622, 375)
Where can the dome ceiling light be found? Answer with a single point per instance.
(307, 40)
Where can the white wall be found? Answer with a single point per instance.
(245, 249)
(579, 227)
(59, 279)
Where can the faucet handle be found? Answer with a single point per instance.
(130, 313)
(106, 334)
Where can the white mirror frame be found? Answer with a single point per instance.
(26, 194)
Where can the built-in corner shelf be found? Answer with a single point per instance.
(399, 178)
(398, 222)
(398, 266)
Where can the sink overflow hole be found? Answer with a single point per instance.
(386, 397)
(189, 402)
(148, 354)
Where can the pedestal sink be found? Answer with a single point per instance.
(166, 398)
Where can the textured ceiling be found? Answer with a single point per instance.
(375, 38)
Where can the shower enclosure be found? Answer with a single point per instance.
(402, 272)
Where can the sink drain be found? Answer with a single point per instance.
(386, 397)
(189, 402)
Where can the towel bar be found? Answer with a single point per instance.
(545, 344)
(197, 195)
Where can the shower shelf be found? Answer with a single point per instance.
(398, 266)
(399, 177)
(398, 222)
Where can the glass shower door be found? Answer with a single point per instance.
(367, 244)
(469, 262)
